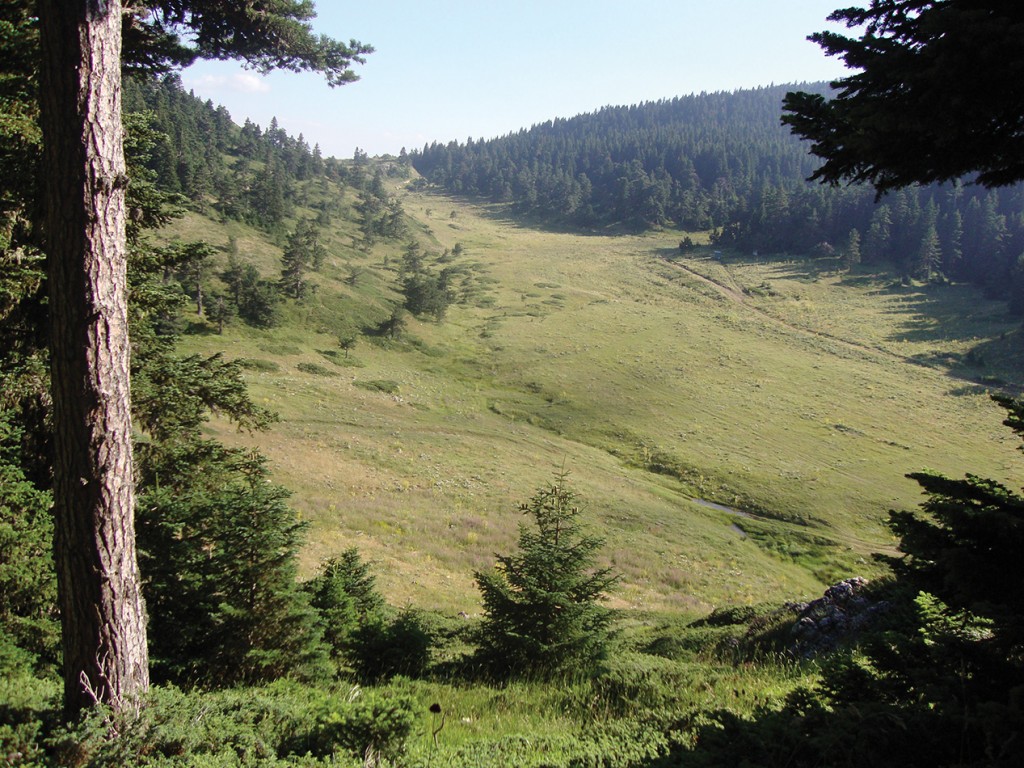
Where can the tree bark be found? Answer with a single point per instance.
(100, 597)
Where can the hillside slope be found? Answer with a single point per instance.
(723, 162)
(779, 389)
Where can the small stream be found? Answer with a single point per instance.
(721, 507)
(728, 510)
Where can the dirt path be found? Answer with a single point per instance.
(736, 295)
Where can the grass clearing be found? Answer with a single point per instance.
(792, 394)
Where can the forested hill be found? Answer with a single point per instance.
(687, 161)
(724, 162)
(243, 172)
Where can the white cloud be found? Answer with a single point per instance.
(249, 83)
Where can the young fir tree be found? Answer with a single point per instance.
(543, 612)
(851, 254)
(344, 592)
(304, 253)
(364, 638)
(29, 628)
(295, 264)
(218, 545)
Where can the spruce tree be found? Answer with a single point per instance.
(933, 94)
(295, 263)
(344, 592)
(364, 638)
(28, 589)
(851, 254)
(543, 612)
(218, 545)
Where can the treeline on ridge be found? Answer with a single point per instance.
(246, 172)
(723, 162)
(264, 177)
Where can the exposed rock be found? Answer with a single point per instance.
(833, 619)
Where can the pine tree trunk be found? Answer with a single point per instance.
(102, 612)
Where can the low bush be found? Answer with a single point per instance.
(27, 710)
(386, 386)
(633, 684)
(258, 364)
(368, 725)
(277, 725)
(315, 370)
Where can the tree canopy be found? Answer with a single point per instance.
(937, 94)
(160, 35)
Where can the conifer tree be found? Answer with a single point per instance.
(543, 612)
(296, 262)
(81, 53)
(929, 254)
(191, 262)
(102, 613)
(851, 254)
(344, 592)
(218, 549)
(28, 590)
(915, 109)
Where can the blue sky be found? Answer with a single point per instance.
(451, 69)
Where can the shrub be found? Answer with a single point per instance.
(637, 684)
(383, 648)
(282, 724)
(315, 370)
(26, 706)
(258, 364)
(386, 386)
(369, 725)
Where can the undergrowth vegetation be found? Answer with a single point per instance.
(635, 707)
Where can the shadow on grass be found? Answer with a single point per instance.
(516, 217)
(806, 733)
(200, 328)
(961, 314)
(978, 341)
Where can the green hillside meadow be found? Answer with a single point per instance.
(784, 389)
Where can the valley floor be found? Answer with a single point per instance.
(782, 389)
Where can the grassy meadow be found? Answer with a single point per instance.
(785, 390)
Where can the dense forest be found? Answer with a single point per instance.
(723, 162)
(246, 173)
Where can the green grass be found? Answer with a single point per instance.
(791, 392)
(631, 710)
